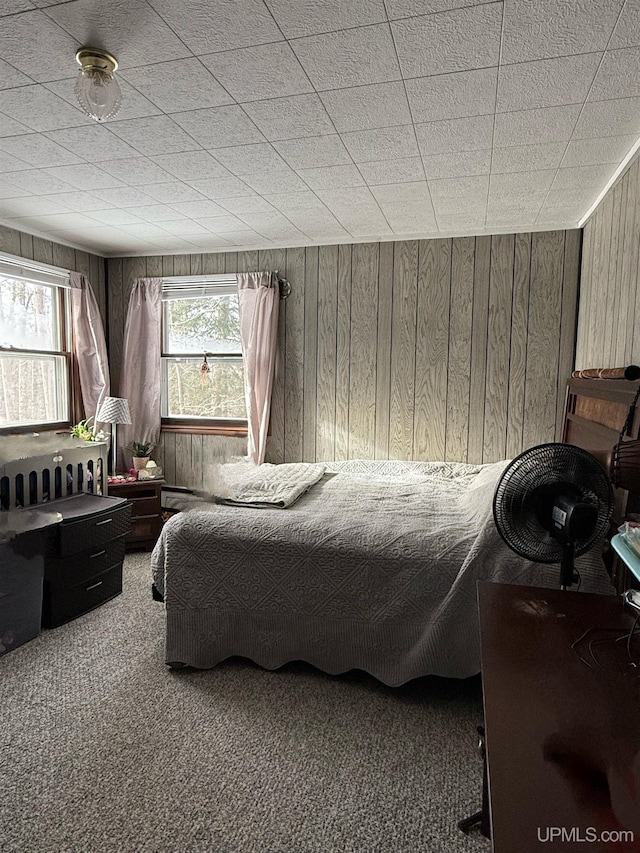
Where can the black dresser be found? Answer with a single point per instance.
(83, 564)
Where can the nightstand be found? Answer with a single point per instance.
(146, 512)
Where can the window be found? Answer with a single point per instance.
(202, 373)
(35, 353)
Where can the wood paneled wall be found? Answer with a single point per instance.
(609, 317)
(37, 249)
(453, 349)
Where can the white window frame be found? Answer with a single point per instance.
(22, 269)
(186, 287)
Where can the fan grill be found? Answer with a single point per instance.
(525, 493)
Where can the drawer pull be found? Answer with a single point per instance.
(97, 554)
(106, 521)
(93, 586)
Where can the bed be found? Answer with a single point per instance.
(373, 567)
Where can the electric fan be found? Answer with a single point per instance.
(552, 503)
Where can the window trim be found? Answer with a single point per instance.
(197, 286)
(58, 279)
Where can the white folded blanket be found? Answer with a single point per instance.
(266, 485)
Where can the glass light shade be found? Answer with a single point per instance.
(98, 93)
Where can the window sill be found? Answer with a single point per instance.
(232, 429)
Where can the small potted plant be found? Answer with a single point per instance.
(140, 451)
(86, 432)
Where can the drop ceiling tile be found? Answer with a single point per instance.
(191, 165)
(313, 152)
(40, 109)
(627, 31)
(609, 118)
(153, 135)
(415, 194)
(526, 127)
(10, 77)
(132, 31)
(10, 190)
(48, 205)
(134, 105)
(112, 216)
(126, 196)
(276, 182)
(10, 7)
(308, 17)
(157, 213)
(582, 196)
(219, 127)
(57, 221)
(523, 184)
(582, 177)
(207, 27)
(451, 205)
(223, 224)
(378, 144)
(507, 218)
(290, 118)
(618, 76)
(199, 209)
(80, 201)
(9, 163)
(136, 170)
(405, 170)
(458, 40)
(328, 177)
(353, 57)
(222, 188)
(528, 85)
(461, 164)
(168, 193)
(11, 127)
(84, 176)
(476, 186)
(249, 159)
(346, 197)
(145, 231)
(593, 152)
(95, 143)
(462, 222)
(519, 158)
(255, 73)
(185, 227)
(455, 134)
(366, 107)
(36, 150)
(547, 28)
(181, 84)
(36, 45)
(246, 204)
(41, 182)
(464, 93)
(290, 203)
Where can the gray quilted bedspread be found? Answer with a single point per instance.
(375, 568)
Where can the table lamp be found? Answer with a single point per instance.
(114, 410)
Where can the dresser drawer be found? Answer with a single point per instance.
(85, 564)
(145, 506)
(93, 530)
(60, 604)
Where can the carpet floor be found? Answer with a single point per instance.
(104, 749)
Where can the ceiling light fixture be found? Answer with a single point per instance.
(97, 90)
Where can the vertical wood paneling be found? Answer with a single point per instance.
(479, 348)
(26, 247)
(403, 349)
(609, 316)
(432, 349)
(154, 267)
(498, 347)
(43, 251)
(566, 348)
(518, 352)
(343, 338)
(9, 240)
(362, 357)
(383, 350)
(326, 360)
(460, 325)
(294, 357)
(116, 320)
(547, 253)
(310, 372)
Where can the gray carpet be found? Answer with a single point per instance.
(102, 748)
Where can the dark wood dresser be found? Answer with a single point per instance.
(83, 565)
(145, 497)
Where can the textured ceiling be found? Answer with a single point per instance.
(259, 123)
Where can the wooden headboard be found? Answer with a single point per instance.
(595, 412)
